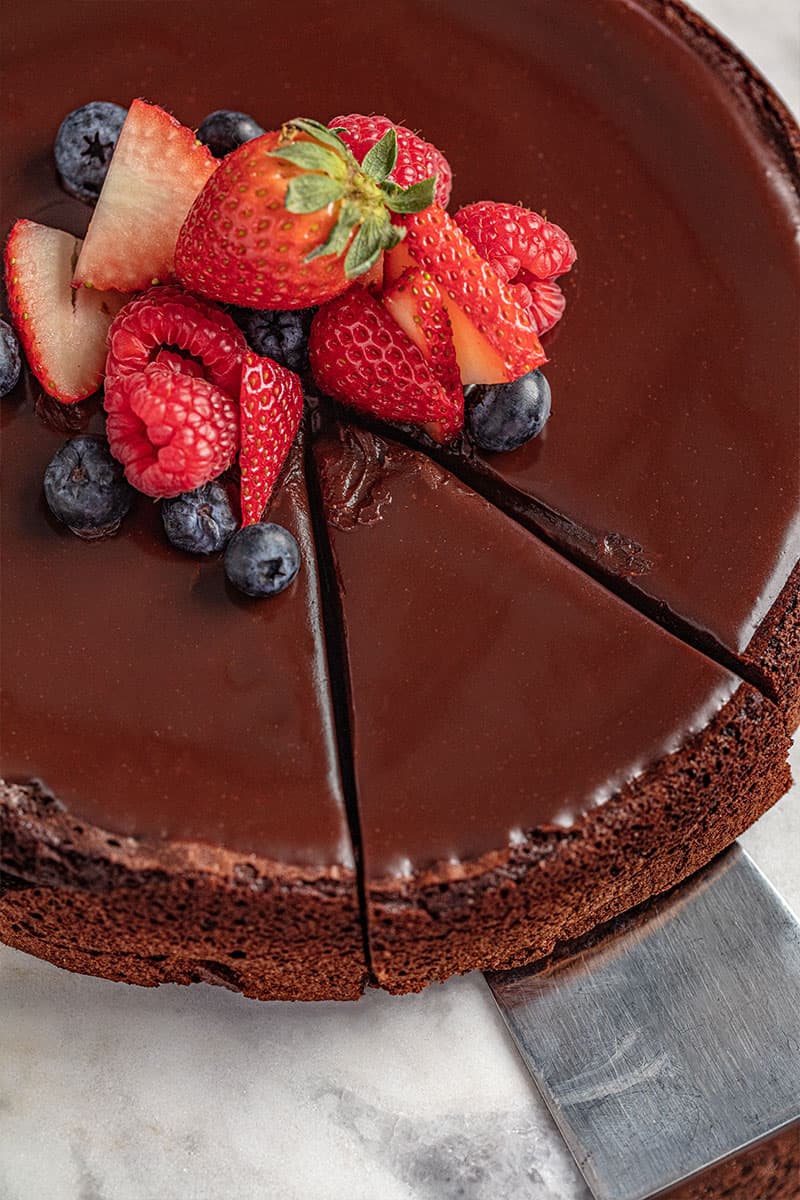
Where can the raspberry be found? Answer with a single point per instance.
(166, 323)
(547, 303)
(416, 159)
(508, 233)
(172, 432)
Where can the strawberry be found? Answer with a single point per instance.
(360, 356)
(271, 405)
(416, 159)
(197, 332)
(156, 170)
(494, 336)
(63, 334)
(416, 304)
(509, 232)
(290, 219)
(171, 431)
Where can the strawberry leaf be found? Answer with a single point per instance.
(312, 157)
(412, 199)
(393, 236)
(365, 250)
(309, 193)
(339, 236)
(319, 132)
(381, 159)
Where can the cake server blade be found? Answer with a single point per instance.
(670, 1039)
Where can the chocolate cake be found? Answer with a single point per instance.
(449, 744)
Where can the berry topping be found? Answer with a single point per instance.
(157, 169)
(517, 236)
(262, 559)
(271, 408)
(416, 304)
(361, 356)
(504, 416)
(416, 159)
(63, 332)
(282, 336)
(223, 131)
(86, 489)
(10, 359)
(84, 144)
(546, 304)
(290, 219)
(494, 336)
(197, 331)
(172, 432)
(199, 522)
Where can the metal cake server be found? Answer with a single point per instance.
(670, 1040)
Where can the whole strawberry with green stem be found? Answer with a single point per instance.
(291, 218)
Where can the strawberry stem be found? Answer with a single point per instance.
(330, 174)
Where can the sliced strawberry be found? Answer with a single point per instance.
(416, 304)
(360, 356)
(156, 171)
(63, 334)
(494, 336)
(271, 402)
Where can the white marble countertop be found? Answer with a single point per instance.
(115, 1093)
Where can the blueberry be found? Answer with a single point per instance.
(85, 487)
(223, 130)
(84, 144)
(10, 360)
(501, 416)
(262, 559)
(279, 335)
(199, 522)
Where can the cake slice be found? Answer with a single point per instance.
(189, 823)
(531, 755)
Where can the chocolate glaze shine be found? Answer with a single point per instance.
(585, 108)
(150, 698)
(495, 688)
(676, 413)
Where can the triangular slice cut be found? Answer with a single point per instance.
(532, 756)
(185, 733)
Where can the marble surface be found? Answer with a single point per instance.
(115, 1093)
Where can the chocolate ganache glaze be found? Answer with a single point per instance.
(495, 688)
(488, 695)
(671, 462)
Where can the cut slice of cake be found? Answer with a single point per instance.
(190, 821)
(531, 755)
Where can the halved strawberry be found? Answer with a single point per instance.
(63, 333)
(156, 170)
(416, 304)
(360, 356)
(494, 336)
(271, 405)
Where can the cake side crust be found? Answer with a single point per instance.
(181, 913)
(514, 906)
(774, 651)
